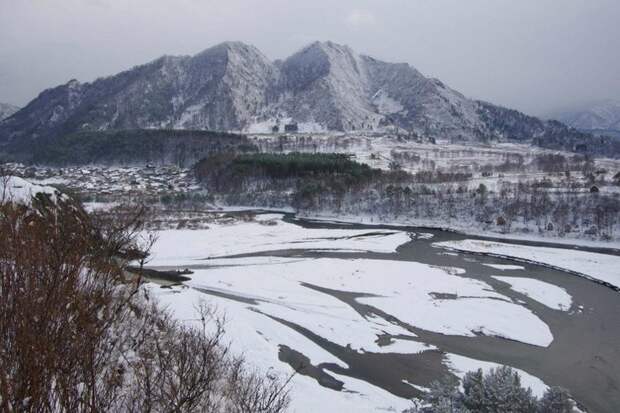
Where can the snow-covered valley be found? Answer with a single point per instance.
(364, 307)
(310, 207)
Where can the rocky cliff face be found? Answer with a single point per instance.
(234, 87)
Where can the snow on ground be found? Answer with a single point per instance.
(55, 180)
(504, 267)
(434, 299)
(266, 126)
(273, 286)
(462, 228)
(597, 266)
(365, 396)
(461, 365)
(257, 337)
(550, 295)
(407, 289)
(187, 247)
(99, 206)
(310, 292)
(20, 191)
(277, 288)
(385, 104)
(250, 332)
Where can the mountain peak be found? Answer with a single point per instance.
(236, 45)
(329, 45)
(327, 48)
(231, 47)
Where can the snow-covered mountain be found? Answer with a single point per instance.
(234, 87)
(7, 110)
(599, 116)
(332, 87)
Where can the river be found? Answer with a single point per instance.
(584, 356)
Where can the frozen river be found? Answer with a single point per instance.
(370, 316)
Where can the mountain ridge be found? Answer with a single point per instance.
(232, 86)
(6, 110)
(598, 117)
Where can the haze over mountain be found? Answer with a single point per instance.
(7, 110)
(598, 117)
(234, 87)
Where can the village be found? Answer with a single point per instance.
(115, 183)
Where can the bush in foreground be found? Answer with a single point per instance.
(78, 333)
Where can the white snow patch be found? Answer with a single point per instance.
(258, 337)
(597, 266)
(504, 267)
(548, 294)
(406, 290)
(186, 247)
(385, 104)
(99, 206)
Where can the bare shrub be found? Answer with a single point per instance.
(77, 333)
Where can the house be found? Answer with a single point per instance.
(291, 127)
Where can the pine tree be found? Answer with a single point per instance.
(473, 389)
(504, 394)
(556, 400)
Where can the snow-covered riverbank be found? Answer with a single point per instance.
(266, 233)
(472, 229)
(600, 267)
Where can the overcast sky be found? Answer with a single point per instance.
(533, 55)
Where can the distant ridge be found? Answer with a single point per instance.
(601, 117)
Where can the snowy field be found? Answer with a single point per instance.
(601, 267)
(258, 293)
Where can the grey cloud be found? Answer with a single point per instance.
(534, 55)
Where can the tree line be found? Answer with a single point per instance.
(336, 184)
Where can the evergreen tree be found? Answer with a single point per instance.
(504, 394)
(556, 400)
(473, 391)
(445, 397)
(498, 391)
